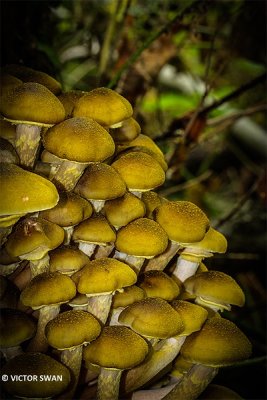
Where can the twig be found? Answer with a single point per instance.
(239, 204)
(229, 119)
(194, 6)
(173, 189)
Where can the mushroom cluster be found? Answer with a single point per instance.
(102, 280)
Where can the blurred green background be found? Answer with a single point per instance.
(194, 72)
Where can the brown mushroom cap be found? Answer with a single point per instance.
(219, 343)
(79, 139)
(70, 210)
(183, 221)
(35, 364)
(48, 289)
(158, 284)
(128, 131)
(24, 191)
(72, 328)
(100, 182)
(119, 212)
(215, 287)
(16, 327)
(152, 317)
(105, 275)
(140, 171)
(103, 105)
(142, 237)
(33, 104)
(117, 347)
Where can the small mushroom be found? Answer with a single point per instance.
(118, 348)
(158, 284)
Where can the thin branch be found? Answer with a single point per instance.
(239, 204)
(173, 189)
(194, 6)
(230, 118)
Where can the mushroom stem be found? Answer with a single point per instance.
(103, 251)
(193, 383)
(97, 204)
(68, 233)
(99, 306)
(163, 354)
(27, 143)
(185, 268)
(39, 266)
(161, 261)
(11, 352)
(67, 174)
(87, 248)
(39, 342)
(134, 262)
(108, 384)
(72, 358)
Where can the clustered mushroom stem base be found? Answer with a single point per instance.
(193, 383)
(184, 269)
(108, 384)
(67, 174)
(27, 143)
(39, 342)
(99, 306)
(161, 261)
(72, 358)
(163, 354)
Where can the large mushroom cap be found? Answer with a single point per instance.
(158, 284)
(48, 289)
(72, 328)
(152, 317)
(79, 139)
(103, 105)
(67, 260)
(24, 191)
(95, 229)
(193, 316)
(105, 275)
(142, 237)
(117, 347)
(39, 365)
(215, 287)
(183, 221)
(220, 342)
(32, 103)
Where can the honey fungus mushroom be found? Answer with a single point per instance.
(77, 142)
(31, 106)
(116, 349)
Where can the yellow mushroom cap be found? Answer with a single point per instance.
(213, 242)
(69, 99)
(158, 284)
(152, 317)
(128, 130)
(192, 315)
(151, 200)
(103, 105)
(24, 191)
(70, 210)
(219, 343)
(72, 328)
(32, 103)
(122, 210)
(183, 221)
(140, 171)
(8, 82)
(100, 182)
(48, 288)
(105, 275)
(129, 295)
(67, 260)
(95, 229)
(79, 139)
(40, 365)
(215, 287)
(16, 327)
(142, 237)
(31, 234)
(27, 74)
(118, 347)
